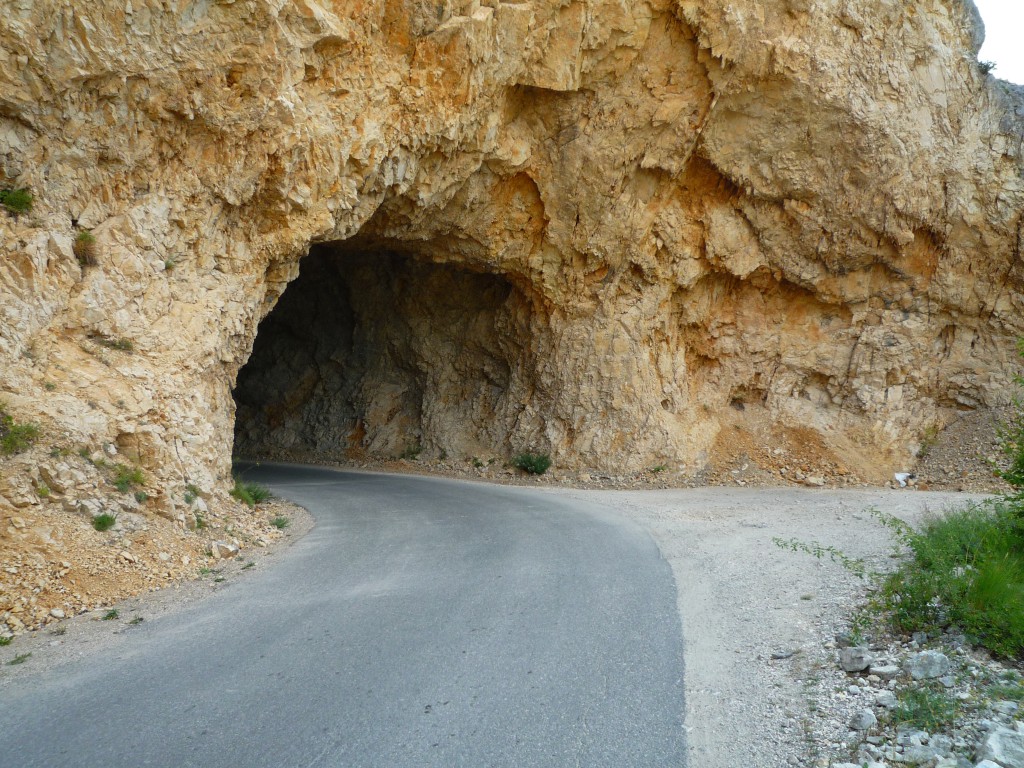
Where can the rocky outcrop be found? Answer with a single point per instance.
(583, 227)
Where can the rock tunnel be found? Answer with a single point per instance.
(379, 351)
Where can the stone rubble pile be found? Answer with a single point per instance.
(872, 717)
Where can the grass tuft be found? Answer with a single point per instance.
(120, 344)
(250, 494)
(21, 658)
(16, 200)
(104, 522)
(927, 708)
(14, 436)
(532, 463)
(126, 478)
(280, 523)
(110, 615)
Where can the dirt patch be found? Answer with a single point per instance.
(966, 455)
(55, 564)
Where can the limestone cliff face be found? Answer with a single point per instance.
(583, 227)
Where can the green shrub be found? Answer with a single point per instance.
(532, 463)
(110, 615)
(126, 478)
(6, 640)
(104, 521)
(965, 568)
(250, 494)
(280, 523)
(16, 200)
(141, 496)
(15, 437)
(192, 493)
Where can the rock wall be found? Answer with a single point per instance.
(814, 204)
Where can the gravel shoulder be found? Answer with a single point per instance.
(759, 621)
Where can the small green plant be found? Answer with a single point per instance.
(49, 386)
(104, 521)
(219, 579)
(126, 478)
(206, 571)
(412, 452)
(170, 264)
(986, 66)
(85, 248)
(43, 491)
(141, 496)
(658, 468)
(926, 707)
(532, 463)
(192, 493)
(477, 464)
(16, 200)
(136, 621)
(15, 437)
(280, 523)
(200, 521)
(21, 658)
(6, 640)
(247, 566)
(250, 494)
(121, 345)
(928, 441)
(854, 565)
(110, 615)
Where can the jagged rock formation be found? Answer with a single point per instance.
(582, 227)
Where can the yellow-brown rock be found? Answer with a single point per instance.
(583, 227)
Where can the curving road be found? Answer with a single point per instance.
(422, 622)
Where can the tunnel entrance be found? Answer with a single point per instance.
(372, 352)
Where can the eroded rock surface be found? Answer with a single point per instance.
(584, 228)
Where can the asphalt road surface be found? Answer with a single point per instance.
(422, 622)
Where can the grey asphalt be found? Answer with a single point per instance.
(422, 622)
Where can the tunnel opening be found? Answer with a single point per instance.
(375, 352)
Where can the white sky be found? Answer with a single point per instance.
(1004, 29)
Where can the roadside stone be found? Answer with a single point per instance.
(57, 613)
(863, 720)
(927, 665)
(854, 659)
(885, 671)
(223, 549)
(886, 699)
(1004, 747)
(920, 755)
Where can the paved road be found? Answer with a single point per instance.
(422, 622)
